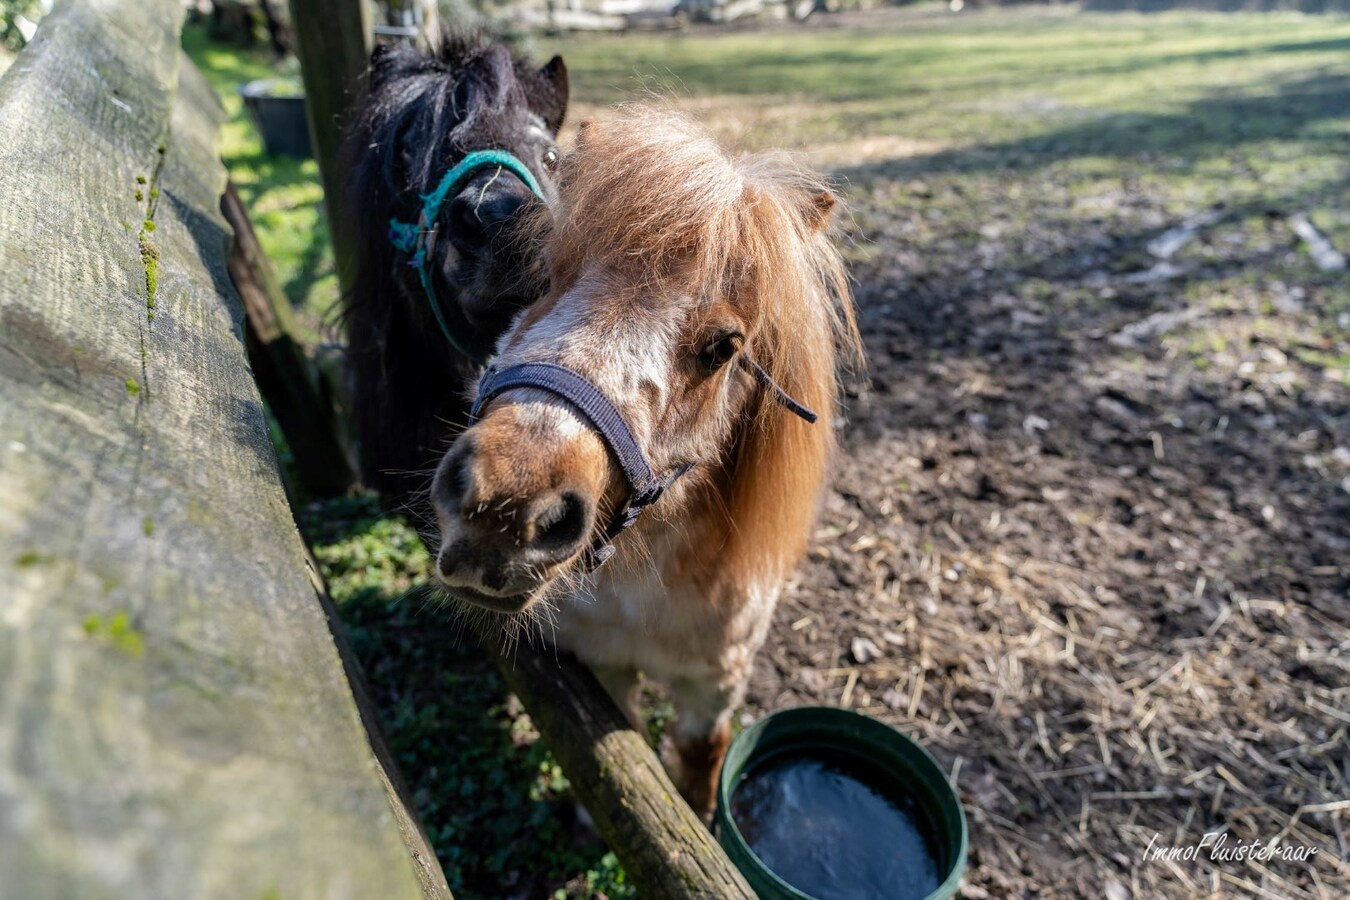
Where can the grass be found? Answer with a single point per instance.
(283, 195)
(942, 128)
(496, 806)
(1186, 100)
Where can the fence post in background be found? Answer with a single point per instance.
(333, 40)
(289, 381)
(417, 21)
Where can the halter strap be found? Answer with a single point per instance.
(645, 486)
(418, 238)
(783, 397)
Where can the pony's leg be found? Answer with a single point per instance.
(621, 683)
(698, 738)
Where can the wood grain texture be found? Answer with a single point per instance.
(665, 849)
(174, 717)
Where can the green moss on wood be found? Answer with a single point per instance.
(133, 387)
(148, 526)
(150, 260)
(30, 558)
(117, 630)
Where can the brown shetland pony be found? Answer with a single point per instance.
(669, 259)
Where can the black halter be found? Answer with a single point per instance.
(645, 486)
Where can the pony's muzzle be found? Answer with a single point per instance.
(514, 507)
(488, 206)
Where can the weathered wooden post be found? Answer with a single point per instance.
(333, 40)
(286, 376)
(174, 716)
(667, 852)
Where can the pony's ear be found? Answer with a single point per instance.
(818, 209)
(497, 72)
(552, 106)
(586, 131)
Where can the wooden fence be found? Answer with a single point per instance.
(175, 720)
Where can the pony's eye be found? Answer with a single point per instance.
(720, 351)
(550, 160)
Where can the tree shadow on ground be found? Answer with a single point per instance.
(311, 266)
(1102, 560)
(495, 806)
(1214, 125)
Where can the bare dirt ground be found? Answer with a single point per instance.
(1090, 532)
(1109, 595)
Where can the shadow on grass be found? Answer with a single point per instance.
(315, 262)
(225, 66)
(283, 194)
(994, 57)
(496, 807)
(1327, 45)
(1212, 126)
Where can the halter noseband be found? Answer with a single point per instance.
(645, 486)
(418, 238)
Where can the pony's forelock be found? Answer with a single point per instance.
(650, 193)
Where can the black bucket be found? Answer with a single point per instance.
(278, 109)
(884, 760)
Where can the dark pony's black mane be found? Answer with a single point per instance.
(413, 129)
(421, 114)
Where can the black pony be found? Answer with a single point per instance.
(430, 298)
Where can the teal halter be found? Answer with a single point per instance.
(417, 238)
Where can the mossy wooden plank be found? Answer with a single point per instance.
(666, 851)
(174, 717)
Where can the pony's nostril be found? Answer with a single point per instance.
(454, 476)
(560, 526)
(478, 215)
(452, 558)
(499, 208)
(466, 226)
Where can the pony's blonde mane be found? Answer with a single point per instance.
(650, 193)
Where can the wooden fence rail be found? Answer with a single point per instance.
(665, 850)
(174, 716)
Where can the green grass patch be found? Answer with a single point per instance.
(1208, 107)
(283, 195)
(495, 804)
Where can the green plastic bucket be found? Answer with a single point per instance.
(873, 747)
